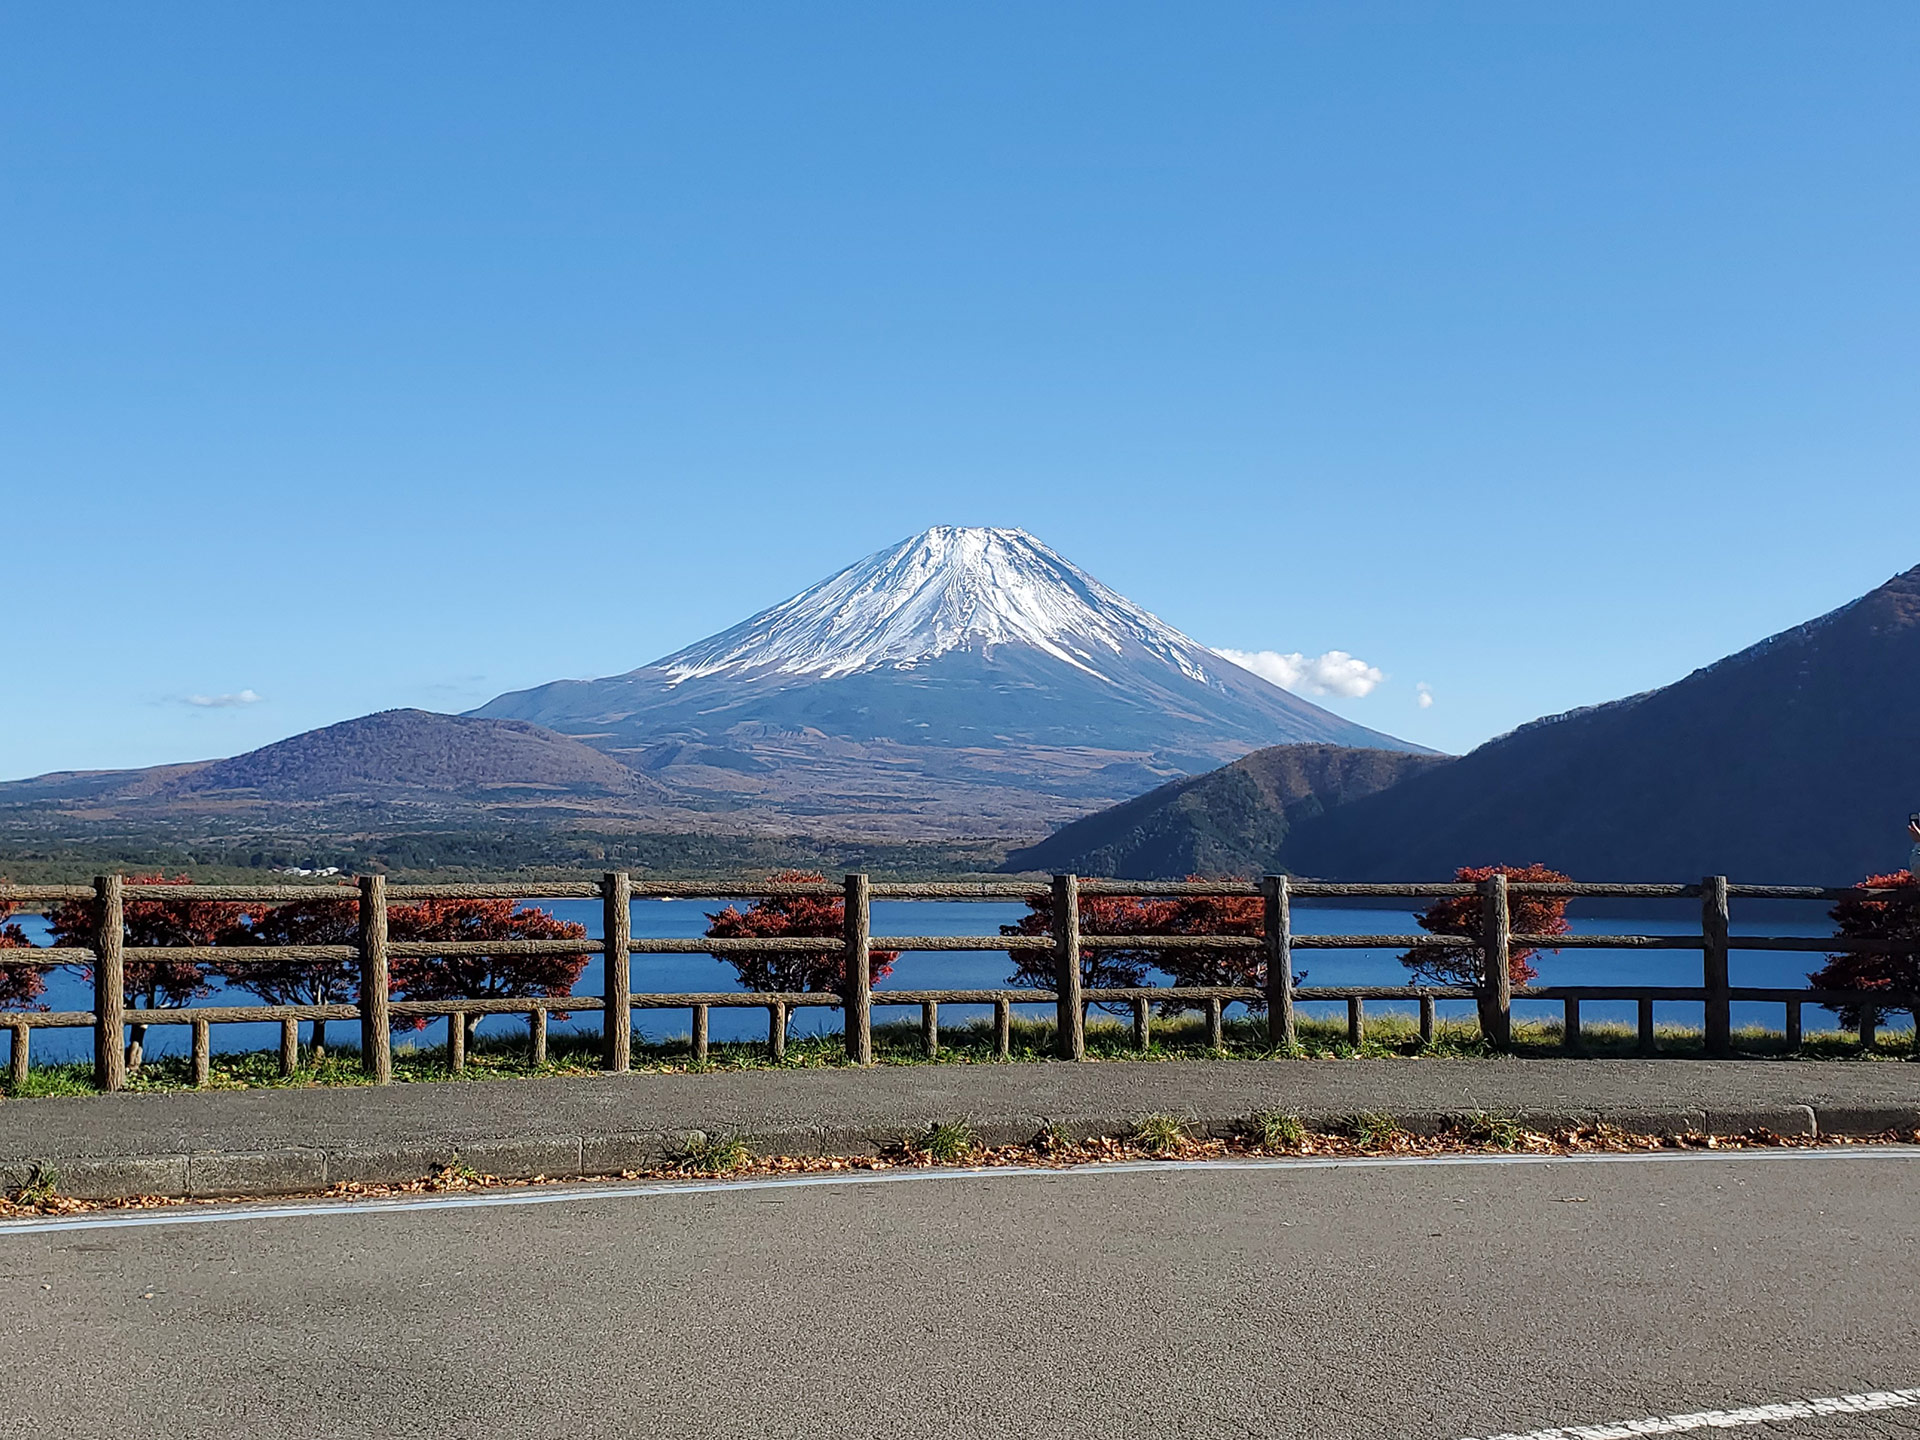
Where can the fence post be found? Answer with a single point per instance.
(858, 926)
(616, 1016)
(777, 1030)
(20, 1058)
(289, 1047)
(930, 1028)
(202, 1054)
(1002, 1028)
(110, 984)
(1714, 921)
(376, 1025)
(1071, 1021)
(1496, 988)
(1279, 916)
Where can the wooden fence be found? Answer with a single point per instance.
(109, 955)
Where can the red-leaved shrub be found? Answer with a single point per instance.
(149, 983)
(1462, 915)
(1147, 916)
(482, 976)
(21, 986)
(782, 916)
(1894, 916)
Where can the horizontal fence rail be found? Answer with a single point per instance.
(1270, 951)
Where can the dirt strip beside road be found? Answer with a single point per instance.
(294, 1140)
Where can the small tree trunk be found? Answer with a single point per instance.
(472, 1022)
(137, 1032)
(1482, 998)
(319, 1046)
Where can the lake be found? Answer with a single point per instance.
(984, 969)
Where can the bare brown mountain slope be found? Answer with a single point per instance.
(395, 751)
(407, 758)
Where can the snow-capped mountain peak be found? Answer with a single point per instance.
(964, 667)
(949, 588)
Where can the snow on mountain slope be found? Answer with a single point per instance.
(957, 637)
(949, 588)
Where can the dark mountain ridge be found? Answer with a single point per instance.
(1230, 821)
(1796, 760)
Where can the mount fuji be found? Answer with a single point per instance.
(963, 681)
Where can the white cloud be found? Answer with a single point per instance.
(1334, 673)
(222, 702)
(1425, 693)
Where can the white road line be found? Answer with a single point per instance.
(561, 1194)
(1828, 1405)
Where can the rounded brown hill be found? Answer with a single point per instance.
(415, 750)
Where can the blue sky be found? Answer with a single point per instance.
(363, 356)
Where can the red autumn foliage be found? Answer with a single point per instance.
(481, 976)
(21, 986)
(1099, 915)
(1218, 915)
(327, 922)
(1875, 917)
(443, 977)
(1147, 916)
(148, 983)
(303, 982)
(1461, 915)
(157, 922)
(811, 916)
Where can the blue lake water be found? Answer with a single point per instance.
(982, 969)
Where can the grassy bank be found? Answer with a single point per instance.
(1387, 1037)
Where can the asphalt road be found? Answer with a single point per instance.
(1395, 1299)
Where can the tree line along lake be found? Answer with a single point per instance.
(987, 969)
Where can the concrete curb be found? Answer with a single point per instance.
(311, 1169)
